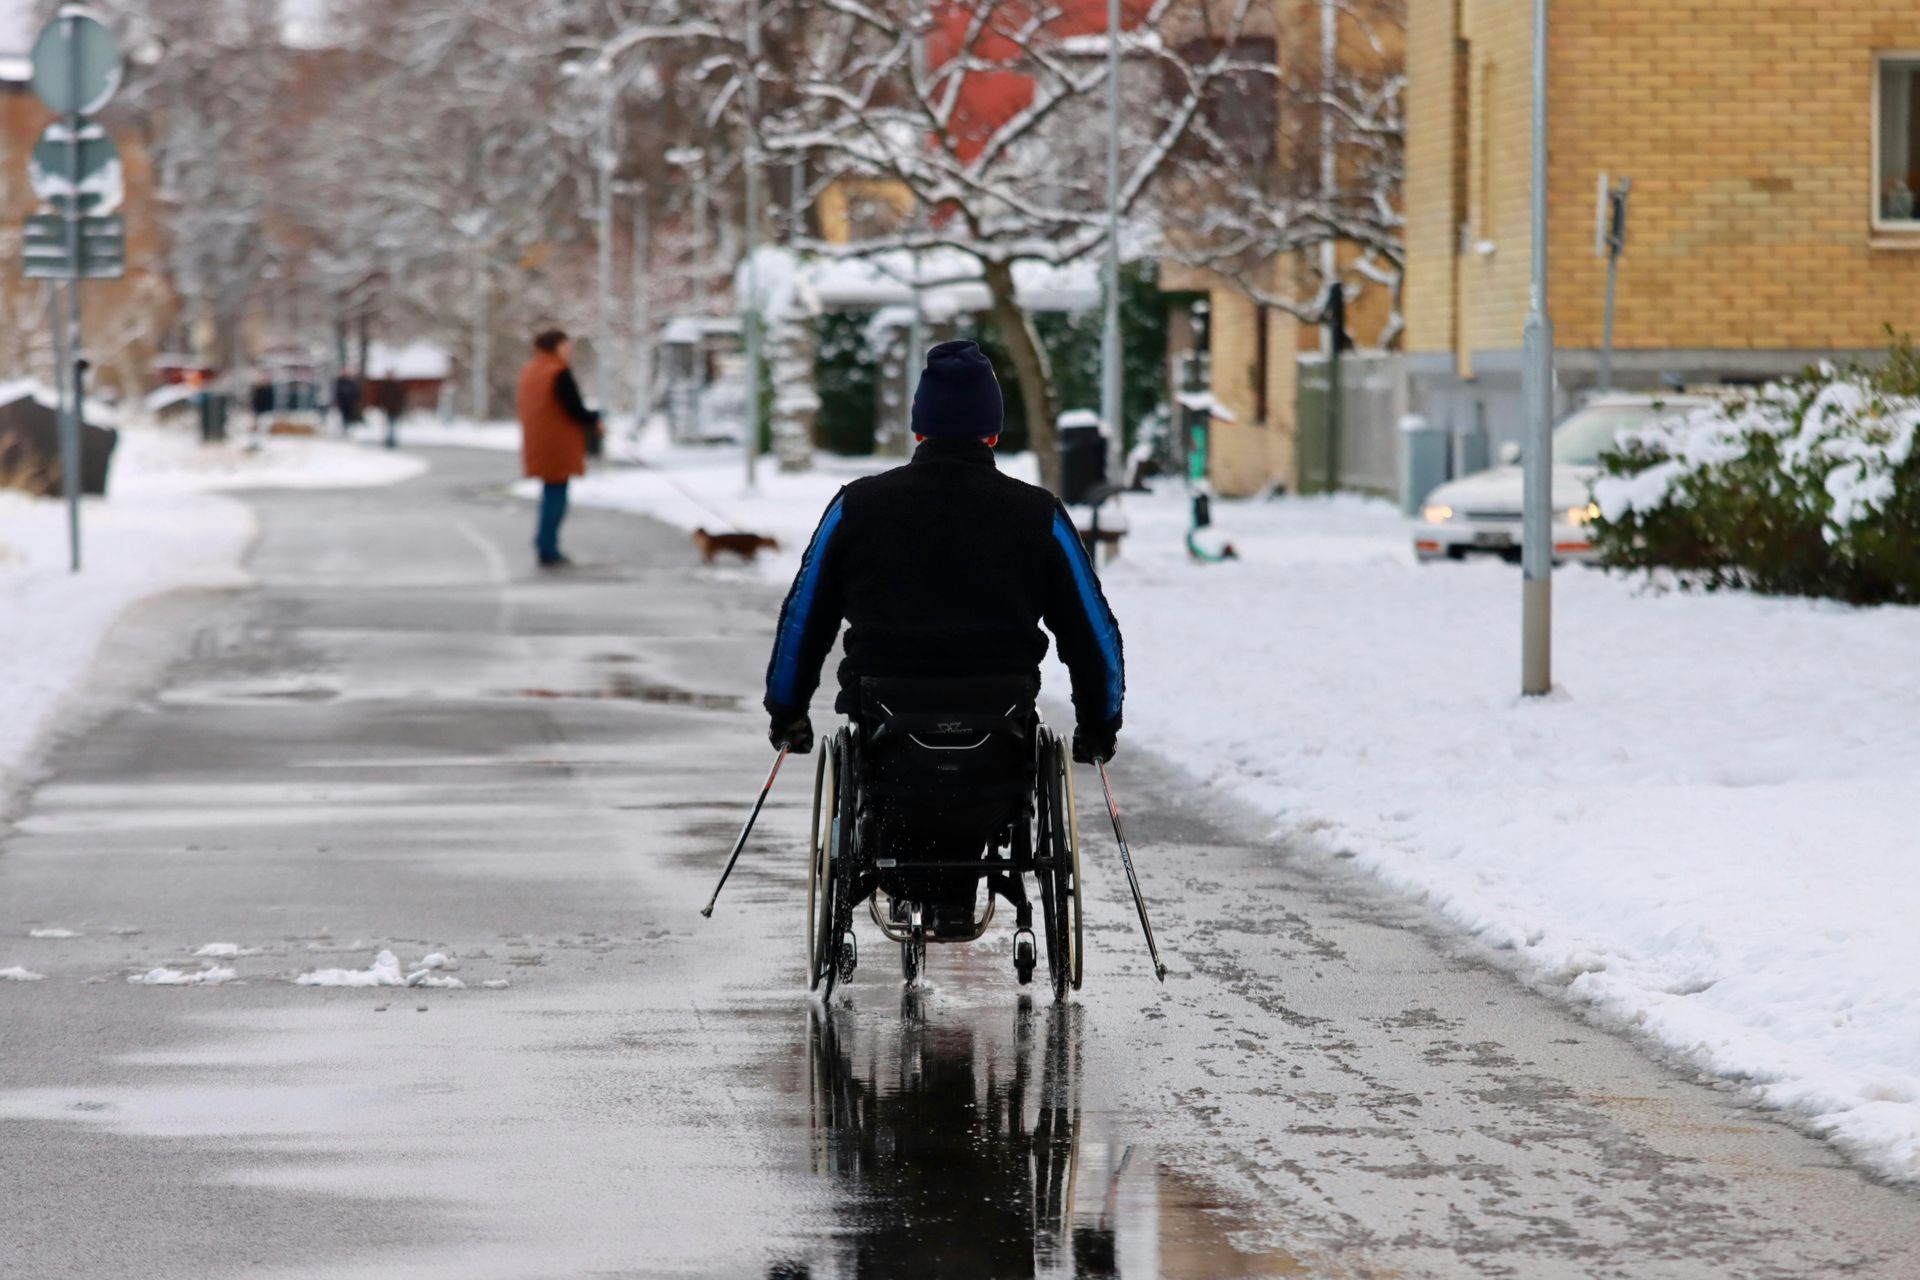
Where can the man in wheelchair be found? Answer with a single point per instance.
(944, 571)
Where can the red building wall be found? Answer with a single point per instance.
(988, 99)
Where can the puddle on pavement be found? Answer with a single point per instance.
(958, 1146)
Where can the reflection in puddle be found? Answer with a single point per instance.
(962, 1150)
(622, 686)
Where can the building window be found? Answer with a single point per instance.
(1897, 142)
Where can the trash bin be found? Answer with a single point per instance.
(213, 417)
(1423, 460)
(1083, 454)
(96, 455)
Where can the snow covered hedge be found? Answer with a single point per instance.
(1805, 487)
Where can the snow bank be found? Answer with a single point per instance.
(158, 530)
(1705, 836)
(151, 460)
(15, 973)
(55, 933)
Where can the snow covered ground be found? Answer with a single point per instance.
(424, 431)
(706, 488)
(160, 528)
(1704, 835)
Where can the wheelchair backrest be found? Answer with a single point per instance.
(979, 727)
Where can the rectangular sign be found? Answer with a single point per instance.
(103, 248)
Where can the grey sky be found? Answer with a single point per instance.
(16, 26)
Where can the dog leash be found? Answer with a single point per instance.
(732, 525)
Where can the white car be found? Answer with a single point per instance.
(1480, 513)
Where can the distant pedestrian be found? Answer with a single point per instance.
(262, 402)
(393, 403)
(557, 432)
(346, 399)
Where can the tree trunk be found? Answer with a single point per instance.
(1030, 367)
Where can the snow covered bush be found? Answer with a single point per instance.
(1809, 487)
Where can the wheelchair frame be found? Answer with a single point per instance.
(1042, 840)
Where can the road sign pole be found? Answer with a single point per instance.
(70, 420)
(76, 71)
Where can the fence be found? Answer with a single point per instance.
(1373, 398)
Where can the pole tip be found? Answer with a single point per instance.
(1160, 972)
(706, 912)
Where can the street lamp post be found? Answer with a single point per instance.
(1536, 601)
(1110, 398)
(750, 316)
(603, 318)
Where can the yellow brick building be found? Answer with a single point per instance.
(1774, 150)
(1253, 351)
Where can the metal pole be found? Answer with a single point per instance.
(1616, 229)
(1329, 169)
(745, 830)
(1133, 881)
(603, 232)
(1335, 405)
(902, 431)
(482, 341)
(1606, 325)
(282, 328)
(1536, 601)
(642, 309)
(751, 238)
(1329, 251)
(73, 401)
(1110, 398)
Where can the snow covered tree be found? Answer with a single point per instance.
(988, 114)
(200, 81)
(1303, 166)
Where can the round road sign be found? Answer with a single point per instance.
(76, 62)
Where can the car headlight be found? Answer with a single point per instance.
(1583, 515)
(1438, 513)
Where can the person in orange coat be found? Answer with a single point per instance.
(557, 431)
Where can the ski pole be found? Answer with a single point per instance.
(741, 843)
(1133, 882)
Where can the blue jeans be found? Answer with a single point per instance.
(553, 509)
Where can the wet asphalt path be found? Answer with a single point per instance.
(408, 739)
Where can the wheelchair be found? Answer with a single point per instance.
(933, 791)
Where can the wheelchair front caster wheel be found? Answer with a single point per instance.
(1025, 955)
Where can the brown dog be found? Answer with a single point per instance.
(744, 545)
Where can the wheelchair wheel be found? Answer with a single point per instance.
(834, 949)
(826, 799)
(1059, 845)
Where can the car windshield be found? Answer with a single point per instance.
(1579, 441)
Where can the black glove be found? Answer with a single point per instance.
(1094, 746)
(794, 735)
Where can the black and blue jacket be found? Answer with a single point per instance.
(946, 568)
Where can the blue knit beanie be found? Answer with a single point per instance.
(958, 397)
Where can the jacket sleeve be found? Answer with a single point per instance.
(809, 620)
(567, 392)
(1084, 627)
